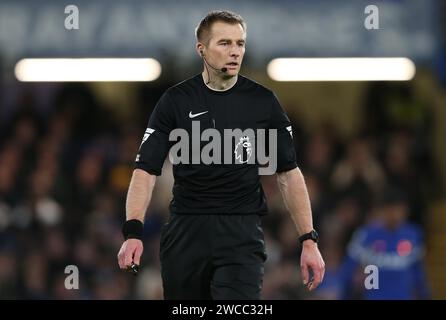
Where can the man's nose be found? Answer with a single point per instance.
(235, 54)
(235, 51)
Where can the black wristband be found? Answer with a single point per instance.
(132, 229)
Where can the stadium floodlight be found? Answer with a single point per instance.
(87, 69)
(341, 69)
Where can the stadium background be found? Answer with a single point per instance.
(67, 148)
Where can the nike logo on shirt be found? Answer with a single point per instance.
(191, 115)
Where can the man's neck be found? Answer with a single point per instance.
(217, 83)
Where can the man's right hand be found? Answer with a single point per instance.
(130, 252)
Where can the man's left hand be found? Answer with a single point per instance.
(311, 259)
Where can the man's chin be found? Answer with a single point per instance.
(230, 74)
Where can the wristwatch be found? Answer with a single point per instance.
(313, 235)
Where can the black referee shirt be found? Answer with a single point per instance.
(215, 188)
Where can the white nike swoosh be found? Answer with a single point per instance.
(196, 115)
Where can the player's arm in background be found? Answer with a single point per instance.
(148, 165)
(295, 195)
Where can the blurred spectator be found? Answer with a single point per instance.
(8, 275)
(359, 172)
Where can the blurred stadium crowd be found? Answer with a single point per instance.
(65, 169)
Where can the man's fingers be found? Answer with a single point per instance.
(322, 272)
(137, 256)
(125, 256)
(120, 259)
(318, 276)
(128, 257)
(304, 270)
(130, 253)
(311, 260)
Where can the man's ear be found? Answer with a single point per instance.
(200, 49)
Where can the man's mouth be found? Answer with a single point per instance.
(232, 64)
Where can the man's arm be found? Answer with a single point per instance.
(149, 162)
(138, 200)
(139, 194)
(295, 195)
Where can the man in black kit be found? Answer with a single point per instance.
(212, 245)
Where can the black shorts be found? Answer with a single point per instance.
(212, 257)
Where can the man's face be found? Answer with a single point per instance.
(394, 215)
(226, 47)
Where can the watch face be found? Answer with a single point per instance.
(313, 235)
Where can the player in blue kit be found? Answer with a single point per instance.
(395, 247)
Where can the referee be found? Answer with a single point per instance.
(212, 246)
